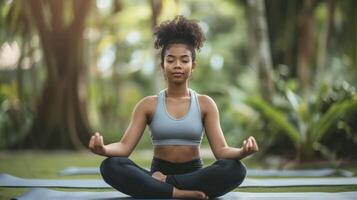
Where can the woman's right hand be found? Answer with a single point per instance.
(250, 146)
(96, 144)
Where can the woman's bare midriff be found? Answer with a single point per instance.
(177, 154)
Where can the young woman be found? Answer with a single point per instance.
(177, 117)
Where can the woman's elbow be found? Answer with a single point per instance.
(220, 153)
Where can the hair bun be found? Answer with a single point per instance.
(179, 29)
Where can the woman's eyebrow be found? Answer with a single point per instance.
(183, 56)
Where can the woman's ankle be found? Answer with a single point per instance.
(159, 176)
(191, 194)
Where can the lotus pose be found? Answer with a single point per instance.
(177, 117)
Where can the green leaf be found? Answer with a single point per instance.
(331, 117)
(277, 117)
(293, 100)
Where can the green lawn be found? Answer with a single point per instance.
(48, 164)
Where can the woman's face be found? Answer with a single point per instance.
(177, 63)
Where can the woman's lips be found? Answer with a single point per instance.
(177, 74)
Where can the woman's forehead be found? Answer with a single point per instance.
(178, 50)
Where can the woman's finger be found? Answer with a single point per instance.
(249, 143)
(254, 142)
(97, 140)
(253, 139)
(91, 142)
(255, 145)
(101, 141)
(243, 145)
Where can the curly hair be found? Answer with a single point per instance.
(179, 31)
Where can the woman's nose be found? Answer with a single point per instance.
(177, 65)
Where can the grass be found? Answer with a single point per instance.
(30, 164)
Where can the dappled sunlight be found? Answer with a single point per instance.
(9, 55)
(231, 68)
(281, 71)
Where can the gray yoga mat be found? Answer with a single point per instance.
(40, 193)
(299, 172)
(7, 180)
(250, 172)
(79, 171)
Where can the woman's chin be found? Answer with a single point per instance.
(178, 81)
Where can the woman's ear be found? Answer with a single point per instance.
(193, 66)
(162, 65)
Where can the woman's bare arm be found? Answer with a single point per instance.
(215, 136)
(131, 136)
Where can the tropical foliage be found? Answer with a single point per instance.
(307, 121)
(284, 71)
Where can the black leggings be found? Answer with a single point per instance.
(215, 180)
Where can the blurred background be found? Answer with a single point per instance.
(282, 71)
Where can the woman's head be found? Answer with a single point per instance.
(179, 31)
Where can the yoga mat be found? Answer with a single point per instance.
(7, 180)
(250, 172)
(284, 182)
(299, 172)
(42, 193)
(60, 195)
(79, 171)
(12, 181)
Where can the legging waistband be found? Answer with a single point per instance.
(167, 167)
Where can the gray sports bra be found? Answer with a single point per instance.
(166, 130)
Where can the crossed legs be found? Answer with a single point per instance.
(215, 180)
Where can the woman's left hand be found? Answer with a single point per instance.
(249, 147)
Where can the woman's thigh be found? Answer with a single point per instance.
(127, 177)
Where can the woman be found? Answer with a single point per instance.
(176, 117)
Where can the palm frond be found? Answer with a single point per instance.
(277, 117)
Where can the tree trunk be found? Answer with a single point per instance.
(20, 74)
(325, 41)
(351, 34)
(305, 45)
(156, 7)
(261, 46)
(61, 118)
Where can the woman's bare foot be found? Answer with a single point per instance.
(188, 194)
(177, 193)
(159, 176)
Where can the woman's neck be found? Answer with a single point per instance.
(177, 90)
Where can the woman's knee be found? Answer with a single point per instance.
(235, 170)
(112, 165)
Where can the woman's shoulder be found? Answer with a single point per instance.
(206, 102)
(147, 105)
(203, 98)
(148, 100)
